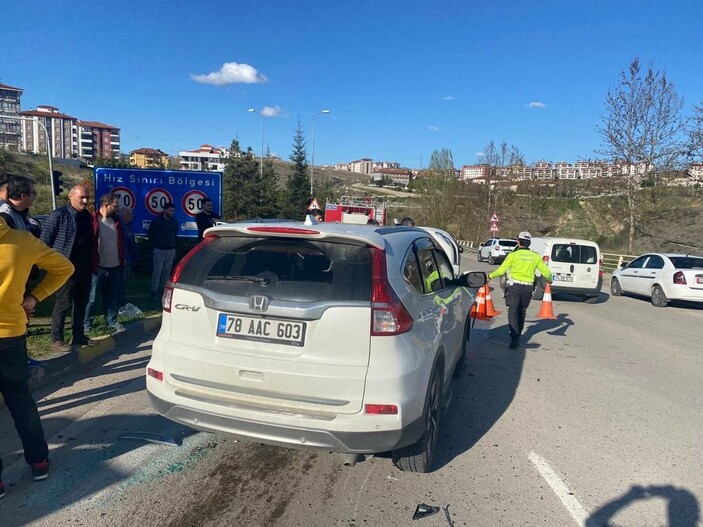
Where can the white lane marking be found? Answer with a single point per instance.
(577, 511)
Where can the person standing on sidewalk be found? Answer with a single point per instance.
(131, 252)
(205, 218)
(521, 264)
(15, 209)
(108, 257)
(162, 234)
(19, 251)
(68, 230)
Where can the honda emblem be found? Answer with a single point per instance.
(259, 303)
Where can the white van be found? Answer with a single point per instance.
(576, 265)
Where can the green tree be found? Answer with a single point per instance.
(641, 128)
(297, 195)
(438, 191)
(241, 193)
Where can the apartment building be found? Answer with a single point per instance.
(62, 132)
(97, 140)
(469, 172)
(148, 158)
(10, 129)
(396, 175)
(205, 158)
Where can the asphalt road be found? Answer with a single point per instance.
(596, 419)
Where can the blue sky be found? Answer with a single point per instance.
(401, 78)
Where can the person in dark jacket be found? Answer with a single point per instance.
(205, 218)
(69, 230)
(131, 252)
(162, 234)
(15, 209)
(108, 257)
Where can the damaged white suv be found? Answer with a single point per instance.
(335, 337)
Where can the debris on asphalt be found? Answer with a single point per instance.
(450, 523)
(151, 438)
(423, 510)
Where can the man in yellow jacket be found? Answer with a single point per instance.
(19, 251)
(521, 264)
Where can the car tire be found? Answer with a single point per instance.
(658, 297)
(419, 456)
(491, 260)
(615, 288)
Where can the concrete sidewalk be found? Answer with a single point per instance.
(44, 371)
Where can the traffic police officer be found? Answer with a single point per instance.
(521, 265)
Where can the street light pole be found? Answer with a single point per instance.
(261, 159)
(48, 152)
(312, 163)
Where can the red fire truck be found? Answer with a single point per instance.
(358, 210)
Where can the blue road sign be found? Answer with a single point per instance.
(147, 191)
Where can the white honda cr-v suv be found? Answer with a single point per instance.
(336, 337)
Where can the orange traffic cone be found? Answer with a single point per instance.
(478, 310)
(490, 310)
(545, 310)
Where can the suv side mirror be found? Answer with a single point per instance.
(472, 279)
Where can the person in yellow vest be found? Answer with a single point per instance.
(19, 251)
(521, 264)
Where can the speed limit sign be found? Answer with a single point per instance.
(156, 200)
(125, 196)
(192, 202)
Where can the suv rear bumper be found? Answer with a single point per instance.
(291, 437)
(583, 291)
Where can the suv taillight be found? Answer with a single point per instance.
(600, 268)
(176, 273)
(496, 248)
(545, 258)
(679, 278)
(388, 314)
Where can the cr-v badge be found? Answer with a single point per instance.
(259, 303)
(187, 308)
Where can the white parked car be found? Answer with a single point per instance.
(661, 277)
(335, 337)
(495, 250)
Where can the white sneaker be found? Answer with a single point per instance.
(119, 328)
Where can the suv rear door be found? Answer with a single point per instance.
(281, 323)
(576, 264)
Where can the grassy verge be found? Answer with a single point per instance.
(137, 293)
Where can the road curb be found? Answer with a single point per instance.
(45, 371)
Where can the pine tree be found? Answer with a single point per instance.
(241, 194)
(297, 196)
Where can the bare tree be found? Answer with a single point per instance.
(694, 145)
(641, 128)
(438, 197)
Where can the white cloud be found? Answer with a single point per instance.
(272, 111)
(433, 128)
(449, 98)
(536, 105)
(231, 73)
(479, 154)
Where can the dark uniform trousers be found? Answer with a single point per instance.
(517, 298)
(14, 386)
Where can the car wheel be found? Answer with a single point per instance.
(658, 297)
(491, 260)
(615, 288)
(418, 457)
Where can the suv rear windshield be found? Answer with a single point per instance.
(573, 253)
(282, 268)
(507, 243)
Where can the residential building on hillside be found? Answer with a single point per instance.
(10, 129)
(97, 140)
(62, 132)
(148, 158)
(696, 170)
(361, 166)
(205, 158)
(469, 172)
(396, 175)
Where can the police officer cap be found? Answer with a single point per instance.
(524, 235)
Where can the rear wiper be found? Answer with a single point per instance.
(257, 279)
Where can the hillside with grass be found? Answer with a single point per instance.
(669, 217)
